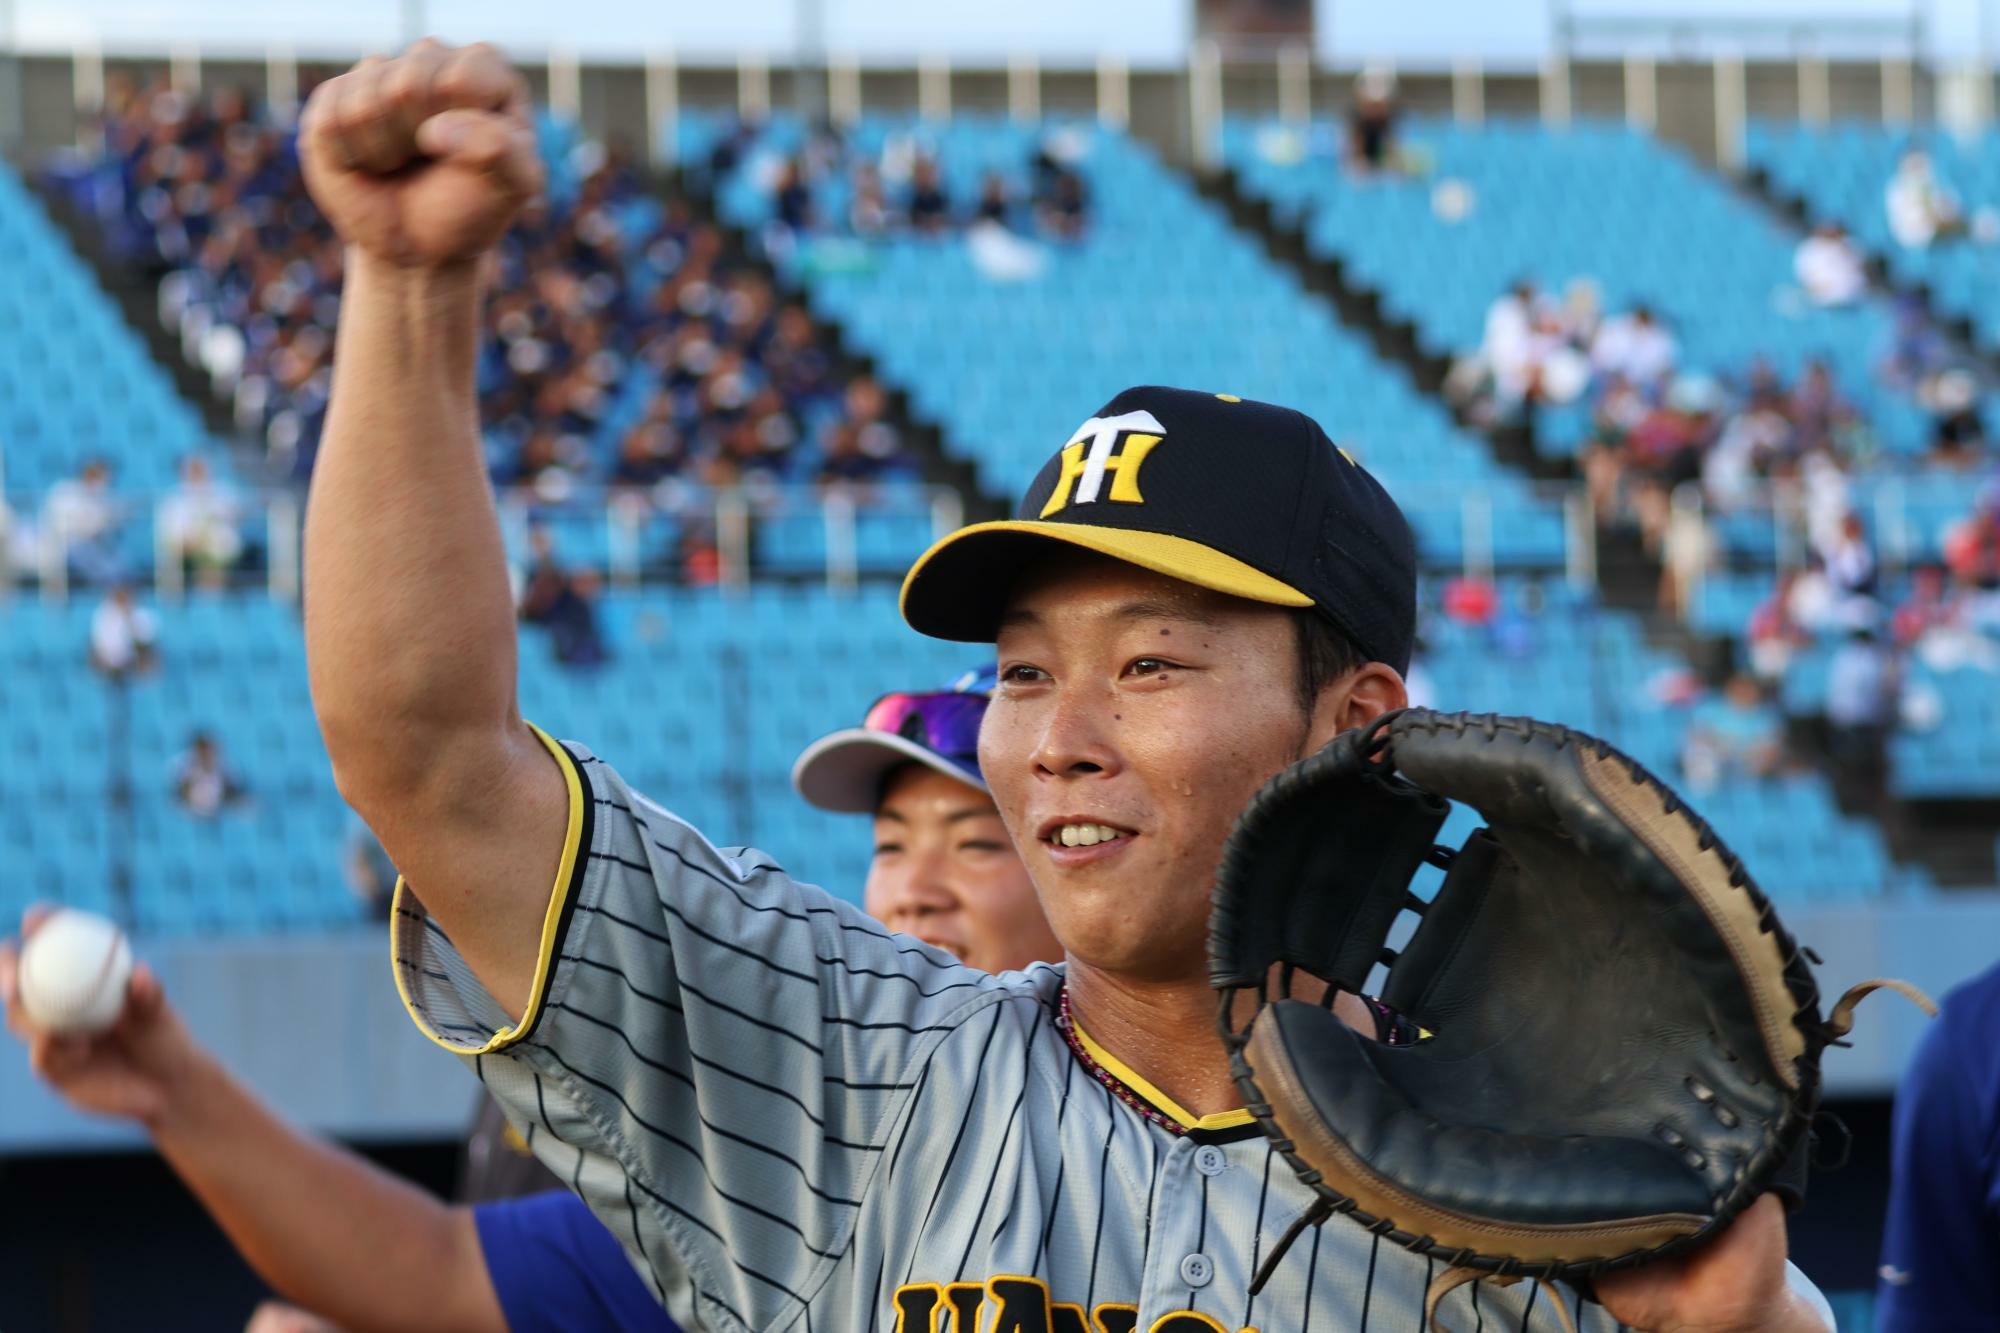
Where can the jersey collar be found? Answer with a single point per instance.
(1128, 1086)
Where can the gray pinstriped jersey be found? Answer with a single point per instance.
(797, 1120)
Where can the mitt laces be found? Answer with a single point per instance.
(1841, 1021)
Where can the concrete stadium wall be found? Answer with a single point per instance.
(612, 98)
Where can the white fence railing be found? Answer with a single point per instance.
(1913, 80)
(34, 548)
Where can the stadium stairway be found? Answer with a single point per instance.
(135, 293)
(1773, 178)
(1948, 831)
(1628, 577)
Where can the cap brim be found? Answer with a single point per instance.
(959, 587)
(844, 772)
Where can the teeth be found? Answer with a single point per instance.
(1084, 835)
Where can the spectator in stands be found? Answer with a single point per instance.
(1941, 1242)
(929, 209)
(1065, 213)
(1751, 443)
(995, 205)
(124, 637)
(868, 213)
(1829, 266)
(1665, 451)
(1774, 635)
(1916, 352)
(81, 521)
(792, 213)
(1733, 737)
(1637, 347)
(652, 450)
(1507, 348)
(1371, 124)
(564, 603)
(1849, 560)
(1861, 693)
(1936, 625)
(1822, 419)
(863, 446)
(1958, 434)
(1921, 208)
(200, 523)
(1972, 545)
(203, 783)
(1582, 313)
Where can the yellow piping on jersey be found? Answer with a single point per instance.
(551, 923)
(1165, 1104)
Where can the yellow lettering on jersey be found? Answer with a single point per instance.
(1185, 1321)
(1021, 1305)
(917, 1307)
(964, 1299)
(1110, 1318)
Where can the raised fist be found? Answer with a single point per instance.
(423, 160)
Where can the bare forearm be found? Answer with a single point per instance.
(326, 1228)
(409, 618)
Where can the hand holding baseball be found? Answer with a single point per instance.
(422, 160)
(130, 1069)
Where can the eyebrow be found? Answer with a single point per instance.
(1143, 609)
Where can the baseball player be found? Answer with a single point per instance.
(795, 1118)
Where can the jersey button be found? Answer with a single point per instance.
(1197, 1270)
(1210, 1160)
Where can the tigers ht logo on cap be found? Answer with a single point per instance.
(1247, 499)
(1117, 445)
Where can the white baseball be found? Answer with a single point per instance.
(73, 973)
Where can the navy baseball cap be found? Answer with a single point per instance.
(939, 729)
(1240, 497)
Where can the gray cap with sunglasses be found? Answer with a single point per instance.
(844, 772)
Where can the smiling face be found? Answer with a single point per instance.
(1135, 717)
(945, 872)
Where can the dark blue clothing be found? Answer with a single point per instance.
(558, 1270)
(1941, 1247)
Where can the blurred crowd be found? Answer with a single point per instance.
(626, 342)
(831, 191)
(96, 536)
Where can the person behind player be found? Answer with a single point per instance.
(1941, 1245)
(942, 869)
(801, 1118)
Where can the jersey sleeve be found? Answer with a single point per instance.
(712, 1053)
(557, 1269)
(1941, 1240)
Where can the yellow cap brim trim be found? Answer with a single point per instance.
(1176, 557)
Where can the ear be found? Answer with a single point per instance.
(1357, 699)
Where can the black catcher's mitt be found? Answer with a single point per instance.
(1623, 1043)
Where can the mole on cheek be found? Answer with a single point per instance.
(1165, 632)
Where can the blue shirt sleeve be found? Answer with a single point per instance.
(558, 1270)
(1941, 1243)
